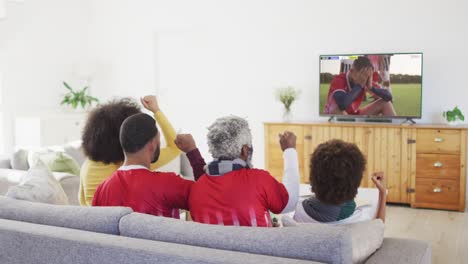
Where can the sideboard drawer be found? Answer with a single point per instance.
(437, 191)
(438, 166)
(438, 141)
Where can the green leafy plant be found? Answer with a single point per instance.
(454, 115)
(287, 96)
(78, 98)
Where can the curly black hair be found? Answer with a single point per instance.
(336, 169)
(101, 132)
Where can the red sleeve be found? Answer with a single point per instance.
(178, 197)
(197, 162)
(275, 194)
(337, 84)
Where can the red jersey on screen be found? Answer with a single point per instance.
(241, 198)
(340, 83)
(145, 191)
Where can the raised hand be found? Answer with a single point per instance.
(379, 180)
(185, 142)
(287, 140)
(151, 103)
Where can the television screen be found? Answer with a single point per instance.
(371, 85)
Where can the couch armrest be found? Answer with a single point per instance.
(404, 251)
(5, 162)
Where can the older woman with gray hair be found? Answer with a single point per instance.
(231, 191)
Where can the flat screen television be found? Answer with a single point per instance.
(371, 85)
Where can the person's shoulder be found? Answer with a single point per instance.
(339, 81)
(170, 176)
(259, 173)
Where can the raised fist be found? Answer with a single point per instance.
(287, 140)
(151, 103)
(185, 142)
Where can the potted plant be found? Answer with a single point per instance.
(454, 117)
(78, 98)
(287, 96)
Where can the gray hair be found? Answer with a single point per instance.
(226, 137)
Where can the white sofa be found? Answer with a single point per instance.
(70, 183)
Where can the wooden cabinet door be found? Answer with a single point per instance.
(274, 154)
(390, 151)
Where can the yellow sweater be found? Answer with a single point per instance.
(93, 173)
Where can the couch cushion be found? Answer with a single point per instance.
(95, 219)
(9, 177)
(309, 242)
(19, 160)
(402, 251)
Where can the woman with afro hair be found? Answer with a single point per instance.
(102, 147)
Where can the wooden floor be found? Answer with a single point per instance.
(446, 231)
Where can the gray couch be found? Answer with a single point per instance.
(42, 233)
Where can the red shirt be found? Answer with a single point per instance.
(340, 83)
(242, 197)
(148, 192)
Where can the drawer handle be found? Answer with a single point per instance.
(438, 140)
(438, 164)
(437, 190)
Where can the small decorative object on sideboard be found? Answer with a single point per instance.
(78, 98)
(454, 117)
(287, 96)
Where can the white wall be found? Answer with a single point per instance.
(41, 43)
(206, 59)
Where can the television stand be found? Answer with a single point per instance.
(342, 119)
(377, 120)
(409, 120)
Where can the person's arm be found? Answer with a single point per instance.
(291, 170)
(379, 180)
(385, 94)
(345, 99)
(197, 162)
(171, 151)
(186, 143)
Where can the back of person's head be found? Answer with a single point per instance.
(227, 136)
(137, 131)
(336, 170)
(101, 132)
(362, 62)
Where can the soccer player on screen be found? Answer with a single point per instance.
(347, 92)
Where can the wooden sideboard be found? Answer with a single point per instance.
(424, 164)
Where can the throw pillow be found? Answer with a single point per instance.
(39, 185)
(55, 161)
(19, 160)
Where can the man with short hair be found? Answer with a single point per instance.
(133, 184)
(348, 90)
(232, 192)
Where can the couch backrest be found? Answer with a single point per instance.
(39, 244)
(95, 219)
(315, 242)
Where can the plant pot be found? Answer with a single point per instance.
(287, 116)
(454, 123)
